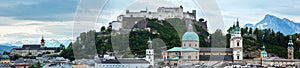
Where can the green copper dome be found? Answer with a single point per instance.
(263, 52)
(190, 36)
(4, 57)
(237, 28)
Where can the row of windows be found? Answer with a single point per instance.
(112, 66)
(189, 57)
(190, 45)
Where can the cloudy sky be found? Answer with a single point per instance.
(64, 19)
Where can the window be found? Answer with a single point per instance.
(190, 45)
(238, 43)
(195, 45)
(189, 57)
(238, 57)
(196, 57)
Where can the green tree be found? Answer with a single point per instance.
(250, 31)
(68, 53)
(62, 47)
(37, 65)
(57, 50)
(15, 57)
(102, 28)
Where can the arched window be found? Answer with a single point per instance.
(238, 43)
(190, 45)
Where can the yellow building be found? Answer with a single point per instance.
(79, 66)
(4, 59)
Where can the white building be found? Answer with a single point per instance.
(130, 19)
(162, 13)
(150, 53)
(111, 62)
(33, 49)
(122, 63)
(236, 42)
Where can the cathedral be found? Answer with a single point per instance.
(191, 52)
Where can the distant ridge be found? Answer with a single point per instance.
(284, 25)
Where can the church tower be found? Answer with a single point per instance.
(290, 49)
(263, 52)
(236, 42)
(150, 53)
(42, 42)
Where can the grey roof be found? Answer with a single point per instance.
(31, 46)
(216, 57)
(216, 50)
(5, 65)
(122, 61)
(25, 61)
(34, 47)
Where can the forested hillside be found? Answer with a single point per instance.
(275, 42)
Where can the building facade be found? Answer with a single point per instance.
(236, 42)
(33, 49)
(191, 52)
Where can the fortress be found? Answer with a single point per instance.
(128, 21)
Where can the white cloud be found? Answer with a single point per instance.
(30, 29)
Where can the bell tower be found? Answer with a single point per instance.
(290, 49)
(150, 53)
(236, 42)
(42, 42)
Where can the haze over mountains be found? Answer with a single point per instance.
(284, 25)
(15, 44)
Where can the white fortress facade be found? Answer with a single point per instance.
(126, 22)
(162, 13)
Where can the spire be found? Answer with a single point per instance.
(263, 48)
(42, 41)
(233, 24)
(149, 43)
(237, 22)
